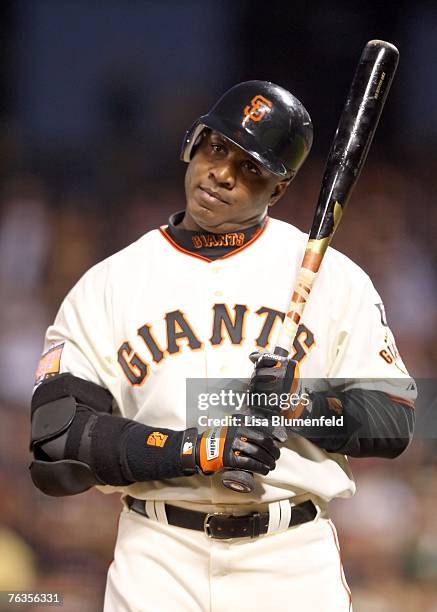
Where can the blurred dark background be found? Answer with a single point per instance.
(94, 100)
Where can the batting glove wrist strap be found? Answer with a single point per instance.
(188, 451)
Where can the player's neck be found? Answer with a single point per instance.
(188, 223)
(210, 245)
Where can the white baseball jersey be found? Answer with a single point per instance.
(148, 318)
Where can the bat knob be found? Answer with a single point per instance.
(238, 481)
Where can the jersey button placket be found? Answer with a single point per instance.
(217, 368)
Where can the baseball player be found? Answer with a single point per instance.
(192, 300)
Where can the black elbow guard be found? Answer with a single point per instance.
(55, 406)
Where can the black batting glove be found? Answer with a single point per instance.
(254, 449)
(243, 448)
(273, 381)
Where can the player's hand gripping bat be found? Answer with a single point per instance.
(357, 125)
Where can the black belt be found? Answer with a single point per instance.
(222, 526)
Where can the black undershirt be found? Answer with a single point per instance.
(208, 244)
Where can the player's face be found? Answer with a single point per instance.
(225, 188)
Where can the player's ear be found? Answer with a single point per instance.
(279, 191)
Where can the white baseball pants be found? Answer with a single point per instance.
(159, 568)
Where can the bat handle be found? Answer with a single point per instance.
(243, 481)
(240, 481)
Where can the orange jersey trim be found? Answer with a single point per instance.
(163, 230)
(257, 234)
(342, 576)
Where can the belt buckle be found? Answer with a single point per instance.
(208, 517)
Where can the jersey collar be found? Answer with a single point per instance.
(206, 245)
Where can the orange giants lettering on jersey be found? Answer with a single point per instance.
(225, 325)
(179, 329)
(234, 326)
(272, 316)
(218, 240)
(134, 368)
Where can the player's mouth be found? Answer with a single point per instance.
(211, 196)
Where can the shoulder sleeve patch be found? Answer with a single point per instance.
(49, 364)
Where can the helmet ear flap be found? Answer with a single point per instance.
(191, 141)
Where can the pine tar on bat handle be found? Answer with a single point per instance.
(353, 137)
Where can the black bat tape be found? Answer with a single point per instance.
(357, 125)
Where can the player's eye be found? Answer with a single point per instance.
(251, 167)
(217, 147)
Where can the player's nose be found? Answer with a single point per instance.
(223, 174)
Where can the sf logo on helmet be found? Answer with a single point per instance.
(259, 106)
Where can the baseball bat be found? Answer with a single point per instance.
(359, 119)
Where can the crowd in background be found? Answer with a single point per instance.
(94, 99)
(388, 531)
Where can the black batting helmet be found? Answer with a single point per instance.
(264, 120)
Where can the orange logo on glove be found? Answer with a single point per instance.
(258, 108)
(156, 438)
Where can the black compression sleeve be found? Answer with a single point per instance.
(122, 451)
(373, 424)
